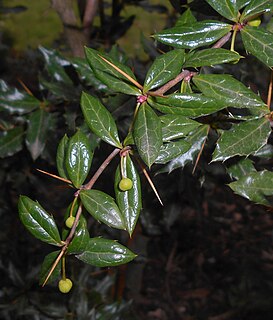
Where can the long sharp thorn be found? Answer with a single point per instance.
(54, 176)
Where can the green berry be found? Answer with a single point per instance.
(125, 184)
(69, 222)
(65, 285)
(255, 22)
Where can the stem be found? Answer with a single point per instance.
(63, 268)
(269, 95)
(172, 83)
(233, 39)
(103, 166)
(222, 41)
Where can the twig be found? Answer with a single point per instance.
(222, 41)
(89, 15)
(170, 84)
(90, 184)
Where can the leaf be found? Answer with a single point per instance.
(176, 126)
(37, 132)
(80, 239)
(109, 75)
(226, 8)
(228, 90)
(265, 152)
(147, 133)
(190, 36)
(242, 3)
(46, 266)
(241, 169)
(38, 222)
(242, 139)
(255, 187)
(129, 202)
(16, 102)
(103, 208)
(196, 139)
(100, 120)
(256, 7)
(55, 64)
(186, 18)
(105, 253)
(189, 105)
(61, 157)
(11, 141)
(209, 57)
(172, 150)
(78, 158)
(259, 42)
(165, 68)
(86, 75)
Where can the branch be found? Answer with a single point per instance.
(222, 41)
(172, 83)
(89, 15)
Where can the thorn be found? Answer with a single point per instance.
(150, 182)
(123, 73)
(54, 176)
(53, 267)
(25, 87)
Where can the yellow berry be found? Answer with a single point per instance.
(255, 22)
(69, 222)
(125, 184)
(65, 285)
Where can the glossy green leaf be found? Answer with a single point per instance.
(195, 35)
(100, 120)
(11, 142)
(103, 208)
(55, 64)
(256, 7)
(259, 42)
(105, 253)
(46, 266)
(86, 75)
(109, 75)
(81, 238)
(209, 57)
(164, 68)
(78, 158)
(242, 139)
(226, 89)
(241, 169)
(38, 222)
(38, 125)
(147, 133)
(226, 8)
(16, 102)
(61, 157)
(175, 126)
(129, 202)
(172, 150)
(196, 139)
(189, 105)
(256, 187)
(241, 3)
(186, 18)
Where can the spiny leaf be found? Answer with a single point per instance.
(256, 187)
(242, 139)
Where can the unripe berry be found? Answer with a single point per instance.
(125, 184)
(255, 22)
(65, 285)
(69, 222)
